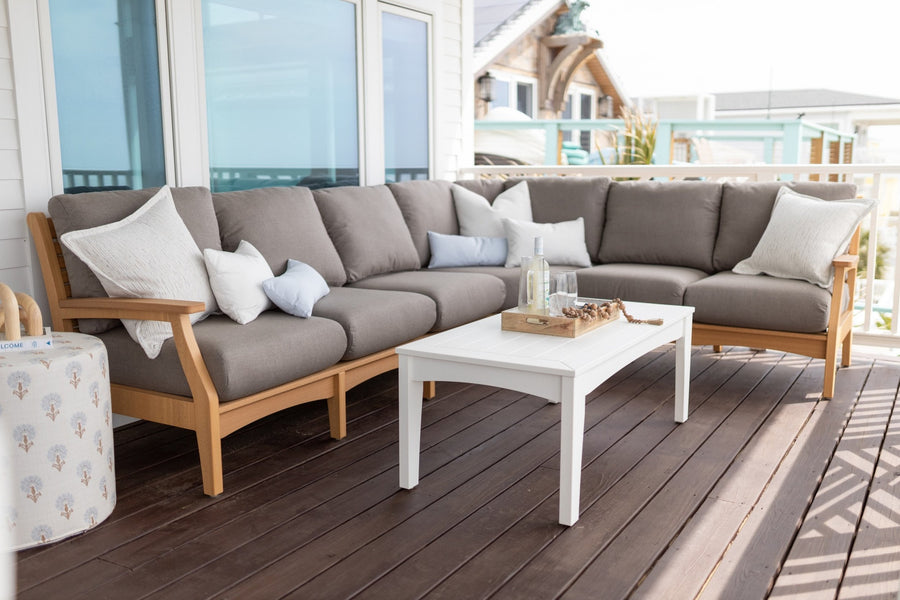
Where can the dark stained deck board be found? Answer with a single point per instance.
(754, 558)
(874, 566)
(682, 569)
(680, 509)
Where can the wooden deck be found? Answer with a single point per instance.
(766, 491)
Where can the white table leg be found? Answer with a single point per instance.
(410, 425)
(571, 444)
(683, 372)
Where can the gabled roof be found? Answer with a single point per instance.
(777, 99)
(494, 33)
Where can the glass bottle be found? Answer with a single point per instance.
(539, 280)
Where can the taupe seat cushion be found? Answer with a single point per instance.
(661, 223)
(426, 206)
(282, 223)
(460, 297)
(759, 302)
(558, 199)
(510, 278)
(746, 208)
(71, 212)
(241, 359)
(377, 319)
(661, 284)
(367, 229)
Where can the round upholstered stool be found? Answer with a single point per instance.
(57, 419)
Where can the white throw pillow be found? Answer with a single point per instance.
(563, 242)
(803, 237)
(148, 254)
(236, 279)
(297, 290)
(477, 217)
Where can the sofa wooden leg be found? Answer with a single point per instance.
(337, 408)
(429, 390)
(210, 462)
(830, 375)
(846, 349)
(717, 347)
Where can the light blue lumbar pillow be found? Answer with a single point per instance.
(465, 251)
(296, 290)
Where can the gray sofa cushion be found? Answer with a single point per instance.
(367, 229)
(460, 297)
(282, 223)
(376, 319)
(746, 208)
(759, 302)
(510, 278)
(426, 206)
(558, 199)
(487, 188)
(660, 284)
(241, 359)
(661, 223)
(71, 212)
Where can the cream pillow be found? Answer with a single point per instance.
(563, 242)
(804, 235)
(148, 254)
(477, 217)
(236, 279)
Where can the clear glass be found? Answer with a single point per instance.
(524, 95)
(563, 292)
(106, 66)
(501, 93)
(281, 93)
(405, 60)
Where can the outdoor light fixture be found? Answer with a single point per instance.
(486, 87)
(605, 106)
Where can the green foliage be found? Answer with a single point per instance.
(884, 321)
(638, 139)
(881, 253)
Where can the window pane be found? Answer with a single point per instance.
(281, 93)
(107, 93)
(501, 93)
(405, 60)
(523, 98)
(586, 114)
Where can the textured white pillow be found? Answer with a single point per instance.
(236, 279)
(297, 290)
(477, 217)
(148, 254)
(803, 237)
(563, 242)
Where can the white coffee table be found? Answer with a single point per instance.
(563, 370)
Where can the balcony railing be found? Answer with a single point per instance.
(877, 299)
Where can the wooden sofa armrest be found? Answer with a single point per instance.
(847, 261)
(142, 309)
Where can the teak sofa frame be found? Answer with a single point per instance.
(202, 413)
(815, 345)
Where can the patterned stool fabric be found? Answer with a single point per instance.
(56, 413)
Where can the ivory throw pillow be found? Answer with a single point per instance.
(297, 290)
(477, 217)
(563, 242)
(803, 237)
(465, 251)
(236, 279)
(148, 254)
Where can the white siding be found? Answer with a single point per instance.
(451, 89)
(15, 268)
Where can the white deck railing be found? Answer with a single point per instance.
(877, 300)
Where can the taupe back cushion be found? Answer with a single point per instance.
(282, 223)
(661, 223)
(746, 208)
(367, 229)
(486, 188)
(558, 199)
(426, 206)
(71, 212)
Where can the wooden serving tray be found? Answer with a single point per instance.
(515, 319)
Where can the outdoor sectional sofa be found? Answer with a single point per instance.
(663, 242)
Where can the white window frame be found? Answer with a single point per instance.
(513, 79)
